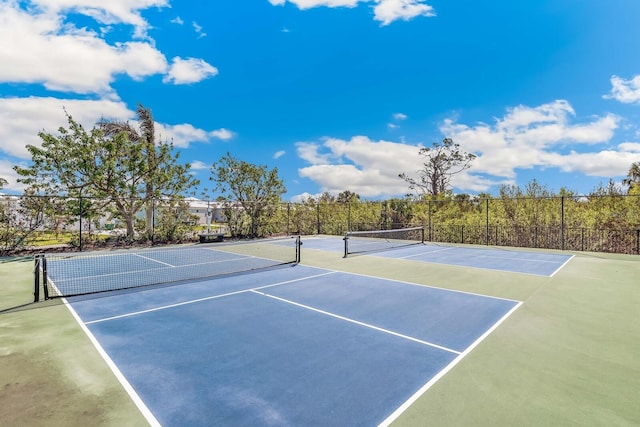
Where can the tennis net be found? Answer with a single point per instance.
(380, 240)
(66, 275)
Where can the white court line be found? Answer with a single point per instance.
(387, 279)
(391, 418)
(144, 410)
(562, 266)
(154, 260)
(480, 255)
(164, 307)
(367, 325)
(449, 264)
(426, 253)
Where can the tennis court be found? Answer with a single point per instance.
(289, 345)
(515, 261)
(363, 340)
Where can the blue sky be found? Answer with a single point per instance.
(338, 94)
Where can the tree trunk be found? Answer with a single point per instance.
(129, 220)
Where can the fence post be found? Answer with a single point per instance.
(638, 241)
(318, 216)
(80, 221)
(562, 221)
(289, 219)
(429, 221)
(486, 238)
(153, 220)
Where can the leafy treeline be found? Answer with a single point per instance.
(122, 168)
(606, 219)
(119, 175)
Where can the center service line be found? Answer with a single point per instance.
(366, 325)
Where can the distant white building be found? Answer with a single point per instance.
(202, 208)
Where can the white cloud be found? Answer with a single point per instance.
(184, 134)
(300, 198)
(528, 137)
(525, 138)
(625, 91)
(189, 70)
(177, 20)
(368, 168)
(198, 29)
(105, 12)
(308, 4)
(199, 165)
(631, 147)
(397, 117)
(7, 172)
(385, 11)
(222, 133)
(25, 117)
(309, 151)
(279, 154)
(45, 48)
(61, 57)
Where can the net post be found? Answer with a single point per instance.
(422, 235)
(36, 281)
(45, 279)
(298, 249)
(346, 244)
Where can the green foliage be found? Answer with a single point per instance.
(174, 222)
(633, 177)
(105, 165)
(20, 218)
(256, 188)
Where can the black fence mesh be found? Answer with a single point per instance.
(585, 223)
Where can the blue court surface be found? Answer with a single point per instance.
(294, 345)
(515, 261)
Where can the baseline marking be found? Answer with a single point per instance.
(391, 418)
(562, 266)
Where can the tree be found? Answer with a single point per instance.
(348, 197)
(20, 218)
(3, 182)
(442, 161)
(256, 188)
(633, 176)
(146, 137)
(109, 167)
